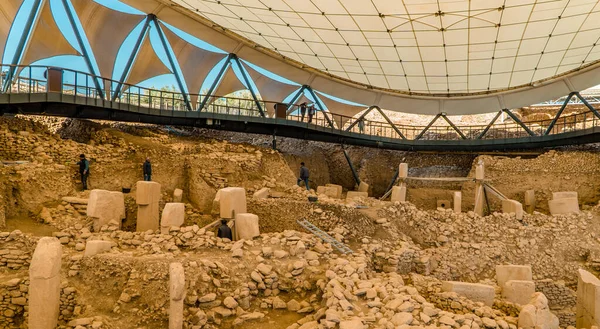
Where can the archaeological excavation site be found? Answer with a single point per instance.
(415, 240)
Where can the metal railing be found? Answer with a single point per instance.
(80, 84)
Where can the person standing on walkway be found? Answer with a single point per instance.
(304, 174)
(84, 170)
(224, 231)
(302, 111)
(361, 125)
(311, 112)
(147, 170)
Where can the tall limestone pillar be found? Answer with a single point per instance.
(399, 192)
(44, 284)
(479, 189)
(176, 295)
(147, 198)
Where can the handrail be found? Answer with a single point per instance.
(80, 83)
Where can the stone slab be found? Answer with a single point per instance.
(403, 171)
(363, 187)
(96, 247)
(263, 193)
(105, 206)
(246, 226)
(177, 195)
(563, 206)
(176, 295)
(564, 195)
(530, 201)
(232, 200)
(505, 273)
(474, 291)
(173, 215)
(457, 202)
(512, 206)
(588, 299)
(351, 195)
(147, 192)
(338, 190)
(147, 198)
(479, 172)
(44, 284)
(398, 193)
(519, 292)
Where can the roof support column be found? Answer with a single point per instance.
(21, 45)
(428, 126)
(320, 106)
(517, 120)
(86, 55)
(132, 56)
(216, 82)
(247, 80)
(562, 108)
(168, 50)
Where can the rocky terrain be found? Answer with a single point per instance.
(403, 253)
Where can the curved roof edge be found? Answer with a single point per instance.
(451, 104)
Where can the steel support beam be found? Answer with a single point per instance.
(354, 173)
(294, 99)
(517, 120)
(86, 55)
(132, 57)
(393, 182)
(489, 125)
(360, 118)
(318, 101)
(174, 66)
(21, 45)
(390, 122)
(562, 108)
(590, 107)
(247, 80)
(428, 126)
(215, 83)
(453, 126)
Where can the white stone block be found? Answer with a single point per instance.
(173, 215)
(403, 171)
(517, 291)
(176, 295)
(147, 192)
(398, 193)
(513, 206)
(44, 284)
(457, 202)
(263, 193)
(147, 198)
(246, 226)
(232, 200)
(479, 172)
(96, 247)
(177, 195)
(505, 273)
(363, 187)
(563, 206)
(564, 195)
(474, 291)
(105, 206)
(338, 190)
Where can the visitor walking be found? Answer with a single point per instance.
(361, 125)
(311, 112)
(224, 231)
(147, 170)
(84, 170)
(302, 111)
(304, 174)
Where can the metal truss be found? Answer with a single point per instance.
(519, 122)
(437, 116)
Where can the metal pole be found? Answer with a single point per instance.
(320, 106)
(489, 125)
(354, 173)
(21, 45)
(562, 108)
(86, 55)
(132, 57)
(294, 99)
(215, 83)
(167, 48)
(517, 120)
(390, 122)
(588, 105)
(428, 126)
(454, 126)
(247, 80)
(393, 182)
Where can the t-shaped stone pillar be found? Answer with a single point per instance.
(479, 189)
(399, 192)
(147, 198)
(44, 284)
(176, 295)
